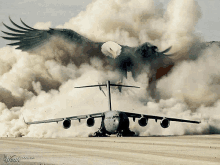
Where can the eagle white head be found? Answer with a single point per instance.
(111, 49)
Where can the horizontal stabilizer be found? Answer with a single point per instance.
(91, 86)
(123, 86)
(106, 85)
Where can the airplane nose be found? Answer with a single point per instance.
(112, 125)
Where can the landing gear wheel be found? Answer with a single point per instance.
(99, 134)
(96, 134)
(119, 135)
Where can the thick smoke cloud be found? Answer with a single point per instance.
(41, 86)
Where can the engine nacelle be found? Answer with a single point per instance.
(90, 122)
(143, 121)
(165, 123)
(66, 123)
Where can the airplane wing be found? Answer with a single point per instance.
(136, 115)
(94, 115)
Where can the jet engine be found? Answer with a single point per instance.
(90, 122)
(165, 123)
(143, 121)
(66, 123)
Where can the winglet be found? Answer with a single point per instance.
(25, 121)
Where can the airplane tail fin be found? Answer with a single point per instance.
(108, 84)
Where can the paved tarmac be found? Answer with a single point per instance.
(195, 150)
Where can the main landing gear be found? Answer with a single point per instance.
(99, 133)
(125, 133)
(122, 133)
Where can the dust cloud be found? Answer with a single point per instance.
(39, 87)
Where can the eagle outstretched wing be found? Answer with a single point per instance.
(66, 45)
(28, 38)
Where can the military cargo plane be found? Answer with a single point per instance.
(113, 121)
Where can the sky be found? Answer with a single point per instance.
(60, 12)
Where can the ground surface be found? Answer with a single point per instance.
(201, 150)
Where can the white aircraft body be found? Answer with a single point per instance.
(113, 121)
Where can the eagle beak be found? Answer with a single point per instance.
(114, 55)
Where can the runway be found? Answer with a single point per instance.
(197, 149)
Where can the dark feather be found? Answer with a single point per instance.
(166, 50)
(15, 43)
(18, 25)
(12, 38)
(19, 31)
(13, 34)
(27, 25)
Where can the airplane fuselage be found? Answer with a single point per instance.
(115, 122)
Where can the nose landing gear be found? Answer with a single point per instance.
(119, 134)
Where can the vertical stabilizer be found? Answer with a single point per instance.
(108, 90)
(109, 95)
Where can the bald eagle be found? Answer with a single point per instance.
(68, 45)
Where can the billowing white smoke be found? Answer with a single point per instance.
(39, 88)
